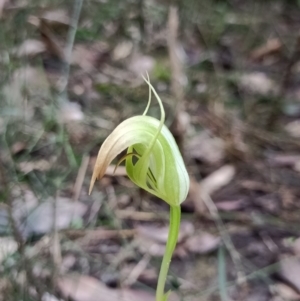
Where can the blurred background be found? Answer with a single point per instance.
(228, 73)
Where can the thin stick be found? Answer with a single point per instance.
(236, 258)
(80, 177)
(178, 76)
(69, 46)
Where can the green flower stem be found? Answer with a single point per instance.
(175, 212)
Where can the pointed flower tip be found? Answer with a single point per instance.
(92, 185)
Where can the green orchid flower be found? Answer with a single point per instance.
(154, 163)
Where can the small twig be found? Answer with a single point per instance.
(56, 250)
(80, 177)
(213, 210)
(178, 76)
(137, 270)
(69, 46)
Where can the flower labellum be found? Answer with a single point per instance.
(153, 161)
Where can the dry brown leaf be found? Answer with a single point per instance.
(206, 147)
(31, 48)
(89, 57)
(272, 46)
(34, 82)
(38, 218)
(231, 205)
(296, 247)
(40, 165)
(70, 111)
(2, 5)
(56, 16)
(8, 246)
(217, 179)
(285, 292)
(194, 200)
(85, 288)
(160, 235)
(18, 147)
(140, 64)
(293, 128)
(152, 240)
(280, 160)
(122, 50)
(49, 297)
(290, 271)
(258, 83)
(202, 243)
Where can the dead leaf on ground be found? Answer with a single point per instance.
(8, 246)
(122, 50)
(285, 292)
(40, 165)
(30, 48)
(232, 205)
(141, 64)
(2, 6)
(70, 111)
(17, 147)
(59, 16)
(194, 200)
(282, 160)
(258, 83)
(202, 243)
(160, 235)
(296, 247)
(289, 271)
(293, 128)
(31, 80)
(85, 288)
(152, 240)
(206, 147)
(38, 219)
(271, 47)
(218, 179)
(89, 57)
(49, 297)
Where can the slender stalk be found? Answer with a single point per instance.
(175, 212)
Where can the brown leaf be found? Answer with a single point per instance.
(8, 246)
(231, 205)
(31, 48)
(272, 46)
(257, 83)
(152, 240)
(2, 6)
(286, 292)
(206, 147)
(85, 288)
(17, 147)
(284, 160)
(202, 243)
(29, 166)
(70, 111)
(160, 235)
(296, 247)
(39, 218)
(290, 271)
(217, 179)
(56, 16)
(89, 57)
